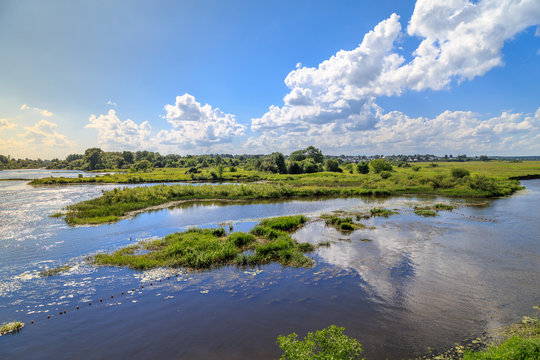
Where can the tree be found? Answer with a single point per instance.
(329, 343)
(332, 165)
(362, 167)
(94, 158)
(294, 168)
(379, 165)
(315, 154)
(143, 165)
(310, 167)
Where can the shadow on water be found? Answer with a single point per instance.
(418, 282)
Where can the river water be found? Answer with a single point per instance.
(417, 283)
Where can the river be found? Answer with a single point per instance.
(417, 283)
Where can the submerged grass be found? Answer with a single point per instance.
(6, 328)
(54, 271)
(208, 248)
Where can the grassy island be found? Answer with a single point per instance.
(269, 241)
(118, 203)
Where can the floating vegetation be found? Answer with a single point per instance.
(54, 271)
(57, 215)
(443, 207)
(207, 248)
(13, 326)
(343, 224)
(424, 211)
(366, 240)
(382, 212)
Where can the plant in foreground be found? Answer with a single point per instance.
(329, 343)
(10, 327)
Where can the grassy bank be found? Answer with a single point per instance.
(113, 205)
(269, 241)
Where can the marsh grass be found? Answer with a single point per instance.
(343, 223)
(13, 326)
(382, 212)
(115, 204)
(209, 248)
(54, 271)
(432, 210)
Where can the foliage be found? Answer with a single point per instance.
(362, 167)
(460, 172)
(385, 174)
(382, 212)
(379, 165)
(332, 166)
(325, 344)
(284, 223)
(6, 328)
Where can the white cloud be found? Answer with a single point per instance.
(110, 102)
(197, 125)
(461, 39)
(42, 112)
(6, 124)
(44, 133)
(395, 132)
(116, 135)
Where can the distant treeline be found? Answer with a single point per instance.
(308, 160)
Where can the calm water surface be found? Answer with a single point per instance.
(418, 283)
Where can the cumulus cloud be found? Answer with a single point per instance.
(450, 131)
(44, 133)
(198, 125)
(115, 134)
(460, 40)
(112, 103)
(42, 112)
(6, 124)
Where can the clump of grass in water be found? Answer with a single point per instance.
(54, 271)
(424, 211)
(443, 207)
(343, 224)
(382, 212)
(6, 328)
(207, 248)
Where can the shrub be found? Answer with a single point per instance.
(386, 174)
(332, 165)
(294, 168)
(329, 343)
(240, 239)
(362, 167)
(460, 172)
(379, 165)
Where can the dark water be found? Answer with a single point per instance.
(420, 282)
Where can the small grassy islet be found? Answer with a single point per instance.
(269, 241)
(13, 326)
(54, 271)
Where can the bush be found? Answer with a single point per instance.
(332, 165)
(460, 172)
(329, 343)
(362, 167)
(294, 168)
(379, 165)
(386, 174)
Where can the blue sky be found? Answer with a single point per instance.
(201, 76)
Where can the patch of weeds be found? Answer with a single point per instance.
(382, 212)
(54, 271)
(6, 328)
(424, 211)
(284, 223)
(444, 207)
(57, 215)
(343, 224)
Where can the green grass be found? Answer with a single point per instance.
(6, 328)
(54, 271)
(424, 211)
(208, 248)
(115, 204)
(344, 224)
(382, 212)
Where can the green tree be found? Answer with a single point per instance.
(362, 167)
(143, 165)
(325, 344)
(294, 168)
(332, 165)
(379, 165)
(94, 158)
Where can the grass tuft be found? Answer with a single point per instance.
(13, 326)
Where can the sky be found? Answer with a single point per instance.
(243, 77)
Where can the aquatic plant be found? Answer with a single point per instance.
(425, 212)
(382, 212)
(284, 223)
(328, 343)
(6, 328)
(440, 207)
(54, 271)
